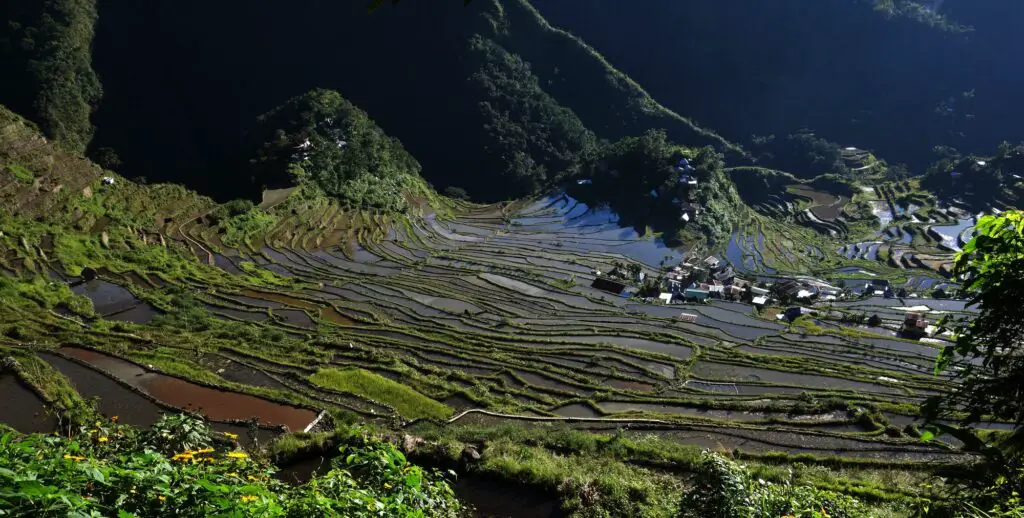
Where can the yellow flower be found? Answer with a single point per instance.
(249, 498)
(183, 456)
(103, 439)
(161, 498)
(230, 435)
(74, 458)
(252, 478)
(232, 474)
(238, 455)
(205, 450)
(386, 485)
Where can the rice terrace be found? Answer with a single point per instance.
(646, 325)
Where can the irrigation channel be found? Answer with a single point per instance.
(495, 310)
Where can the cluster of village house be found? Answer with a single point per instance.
(697, 281)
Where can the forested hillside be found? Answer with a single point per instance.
(46, 66)
(897, 80)
(500, 99)
(473, 93)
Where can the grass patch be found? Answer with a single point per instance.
(22, 174)
(406, 401)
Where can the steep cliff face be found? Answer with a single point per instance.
(893, 84)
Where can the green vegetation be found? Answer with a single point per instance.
(988, 364)
(46, 50)
(321, 303)
(242, 221)
(20, 173)
(406, 401)
(322, 140)
(724, 489)
(536, 141)
(980, 182)
(615, 106)
(181, 467)
(991, 262)
(638, 178)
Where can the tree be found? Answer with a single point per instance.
(721, 488)
(988, 355)
(322, 140)
(987, 358)
(46, 63)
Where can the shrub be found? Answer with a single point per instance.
(724, 489)
(112, 470)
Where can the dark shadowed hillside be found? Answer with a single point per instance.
(200, 75)
(838, 67)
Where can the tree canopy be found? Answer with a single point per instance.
(323, 140)
(46, 62)
(988, 356)
(987, 362)
(533, 139)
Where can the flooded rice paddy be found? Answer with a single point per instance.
(498, 305)
(217, 405)
(22, 409)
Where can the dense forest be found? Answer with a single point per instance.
(897, 78)
(46, 66)
(500, 89)
(321, 140)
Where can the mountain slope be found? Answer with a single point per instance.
(46, 63)
(182, 110)
(840, 68)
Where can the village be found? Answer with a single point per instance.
(699, 281)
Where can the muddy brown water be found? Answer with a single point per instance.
(21, 409)
(216, 404)
(249, 316)
(131, 408)
(333, 315)
(281, 299)
(460, 402)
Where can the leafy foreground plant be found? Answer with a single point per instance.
(723, 489)
(113, 470)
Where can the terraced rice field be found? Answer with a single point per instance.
(492, 312)
(824, 206)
